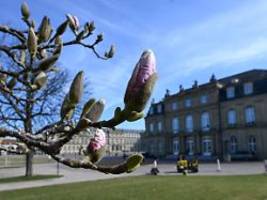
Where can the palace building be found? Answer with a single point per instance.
(119, 142)
(220, 119)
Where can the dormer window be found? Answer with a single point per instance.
(230, 92)
(248, 88)
(151, 111)
(159, 108)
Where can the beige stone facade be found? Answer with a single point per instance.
(243, 132)
(217, 119)
(8, 143)
(119, 141)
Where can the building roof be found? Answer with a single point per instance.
(241, 77)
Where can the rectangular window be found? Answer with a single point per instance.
(252, 144)
(233, 145)
(175, 125)
(205, 121)
(204, 99)
(230, 92)
(231, 117)
(151, 127)
(159, 108)
(248, 88)
(207, 147)
(189, 123)
(250, 115)
(159, 126)
(175, 148)
(174, 106)
(188, 103)
(190, 145)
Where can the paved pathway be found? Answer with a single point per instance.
(79, 175)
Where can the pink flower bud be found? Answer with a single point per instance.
(145, 67)
(73, 22)
(137, 89)
(76, 22)
(98, 141)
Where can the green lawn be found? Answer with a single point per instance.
(152, 188)
(23, 178)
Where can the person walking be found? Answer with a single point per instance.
(154, 170)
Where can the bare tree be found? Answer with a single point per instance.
(29, 93)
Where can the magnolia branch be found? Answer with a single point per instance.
(16, 33)
(9, 53)
(32, 93)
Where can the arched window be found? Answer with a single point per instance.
(189, 123)
(231, 117)
(233, 144)
(205, 121)
(252, 144)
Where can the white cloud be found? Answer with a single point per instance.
(236, 36)
(110, 83)
(228, 56)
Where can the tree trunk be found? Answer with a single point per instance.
(28, 129)
(29, 164)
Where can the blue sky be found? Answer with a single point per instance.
(191, 39)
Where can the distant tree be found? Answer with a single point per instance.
(46, 107)
(31, 88)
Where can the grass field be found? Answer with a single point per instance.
(23, 178)
(152, 187)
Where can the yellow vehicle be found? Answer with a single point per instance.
(184, 165)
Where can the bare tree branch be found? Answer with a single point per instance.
(8, 52)
(35, 107)
(18, 34)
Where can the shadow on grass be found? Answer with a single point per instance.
(25, 178)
